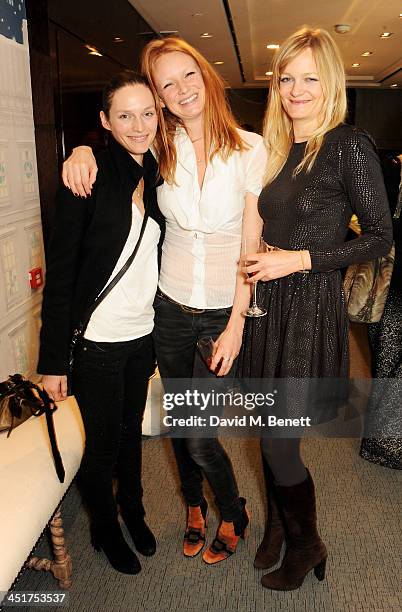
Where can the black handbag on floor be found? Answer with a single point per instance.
(19, 400)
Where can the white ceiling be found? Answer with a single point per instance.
(259, 22)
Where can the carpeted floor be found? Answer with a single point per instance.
(359, 507)
(359, 510)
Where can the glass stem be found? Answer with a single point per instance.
(254, 295)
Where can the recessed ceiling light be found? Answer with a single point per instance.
(118, 39)
(386, 34)
(394, 85)
(367, 53)
(355, 65)
(206, 35)
(342, 28)
(272, 46)
(269, 73)
(219, 63)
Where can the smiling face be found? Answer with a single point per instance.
(132, 119)
(180, 85)
(301, 92)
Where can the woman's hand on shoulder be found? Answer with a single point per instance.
(226, 349)
(276, 264)
(55, 386)
(79, 171)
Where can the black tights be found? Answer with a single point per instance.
(283, 458)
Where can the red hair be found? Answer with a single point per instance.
(220, 126)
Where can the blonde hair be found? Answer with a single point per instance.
(220, 127)
(278, 129)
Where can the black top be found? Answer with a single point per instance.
(312, 210)
(87, 240)
(305, 331)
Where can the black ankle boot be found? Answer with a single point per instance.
(109, 538)
(141, 535)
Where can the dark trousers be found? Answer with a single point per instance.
(176, 333)
(110, 382)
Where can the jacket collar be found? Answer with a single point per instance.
(129, 169)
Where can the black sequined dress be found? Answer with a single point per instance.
(305, 333)
(384, 412)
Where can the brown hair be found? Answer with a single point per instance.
(118, 81)
(220, 127)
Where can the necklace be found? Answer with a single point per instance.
(139, 190)
(199, 161)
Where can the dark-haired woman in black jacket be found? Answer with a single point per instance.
(113, 362)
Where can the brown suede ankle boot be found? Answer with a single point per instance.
(305, 549)
(269, 551)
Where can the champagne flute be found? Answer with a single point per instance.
(250, 246)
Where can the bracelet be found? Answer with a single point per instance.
(302, 260)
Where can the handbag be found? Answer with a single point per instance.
(366, 287)
(19, 400)
(79, 330)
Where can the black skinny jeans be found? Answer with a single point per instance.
(110, 382)
(176, 333)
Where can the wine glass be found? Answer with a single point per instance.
(206, 348)
(250, 246)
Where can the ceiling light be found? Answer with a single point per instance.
(206, 35)
(367, 53)
(269, 73)
(197, 15)
(93, 50)
(342, 28)
(272, 46)
(118, 39)
(355, 65)
(394, 85)
(219, 63)
(386, 34)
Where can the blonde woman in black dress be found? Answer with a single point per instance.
(320, 171)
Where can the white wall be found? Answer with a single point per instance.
(21, 246)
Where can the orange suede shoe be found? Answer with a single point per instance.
(194, 537)
(227, 537)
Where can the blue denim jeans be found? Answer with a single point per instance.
(110, 382)
(176, 333)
